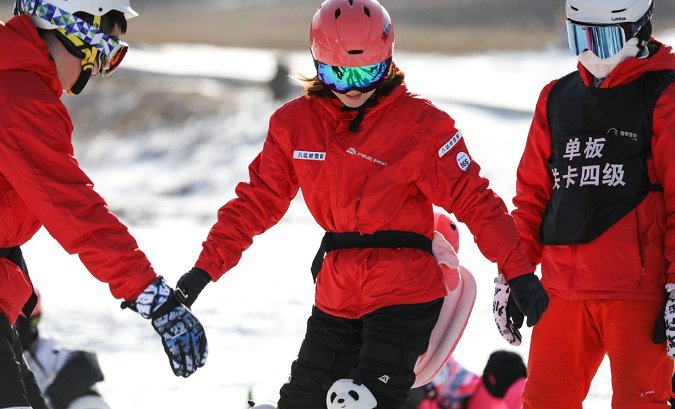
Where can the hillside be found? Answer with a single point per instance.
(422, 25)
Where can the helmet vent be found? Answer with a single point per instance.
(337, 13)
(574, 8)
(619, 11)
(355, 52)
(366, 11)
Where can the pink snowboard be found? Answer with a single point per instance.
(457, 305)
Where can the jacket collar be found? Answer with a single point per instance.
(22, 49)
(633, 68)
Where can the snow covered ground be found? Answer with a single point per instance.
(255, 315)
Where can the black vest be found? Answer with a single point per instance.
(601, 139)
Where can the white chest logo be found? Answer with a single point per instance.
(449, 145)
(354, 152)
(306, 155)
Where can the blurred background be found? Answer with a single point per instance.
(447, 26)
(168, 136)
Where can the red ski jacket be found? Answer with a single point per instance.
(635, 257)
(41, 182)
(405, 157)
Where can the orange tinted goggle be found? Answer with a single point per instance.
(108, 64)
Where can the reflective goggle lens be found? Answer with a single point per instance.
(603, 41)
(345, 79)
(109, 64)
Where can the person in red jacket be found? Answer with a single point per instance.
(595, 205)
(48, 47)
(371, 159)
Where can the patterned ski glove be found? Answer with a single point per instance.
(508, 317)
(182, 334)
(664, 330)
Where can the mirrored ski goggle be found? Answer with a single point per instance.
(344, 79)
(109, 63)
(604, 40)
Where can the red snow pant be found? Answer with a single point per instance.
(570, 342)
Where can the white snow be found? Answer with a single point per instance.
(255, 315)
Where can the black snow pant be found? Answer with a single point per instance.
(379, 351)
(18, 388)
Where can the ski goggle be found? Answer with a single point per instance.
(109, 51)
(109, 63)
(603, 40)
(344, 79)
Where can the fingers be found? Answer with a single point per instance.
(659, 333)
(536, 310)
(515, 313)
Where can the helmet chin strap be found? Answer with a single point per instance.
(81, 82)
(82, 50)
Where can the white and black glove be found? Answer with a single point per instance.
(664, 330)
(508, 317)
(182, 334)
(520, 297)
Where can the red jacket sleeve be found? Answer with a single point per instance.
(259, 205)
(534, 184)
(453, 181)
(38, 161)
(663, 153)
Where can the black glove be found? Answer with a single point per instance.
(530, 297)
(664, 329)
(191, 284)
(659, 334)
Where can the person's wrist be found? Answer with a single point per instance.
(521, 280)
(151, 299)
(191, 284)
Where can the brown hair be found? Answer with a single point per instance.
(315, 88)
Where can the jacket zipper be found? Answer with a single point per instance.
(641, 250)
(357, 205)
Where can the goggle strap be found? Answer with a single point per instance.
(632, 29)
(72, 24)
(69, 43)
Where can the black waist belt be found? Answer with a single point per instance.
(15, 255)
(390, 239)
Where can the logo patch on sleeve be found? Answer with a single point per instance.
(463, 160)
(449, 145)
(306, 155)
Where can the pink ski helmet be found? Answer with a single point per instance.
(351, 33)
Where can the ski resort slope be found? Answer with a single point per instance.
(168, 182)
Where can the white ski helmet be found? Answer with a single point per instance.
(606, 11)
(93, 7)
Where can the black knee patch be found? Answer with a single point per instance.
(387, 370)
(316, 355)
(389, 354)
